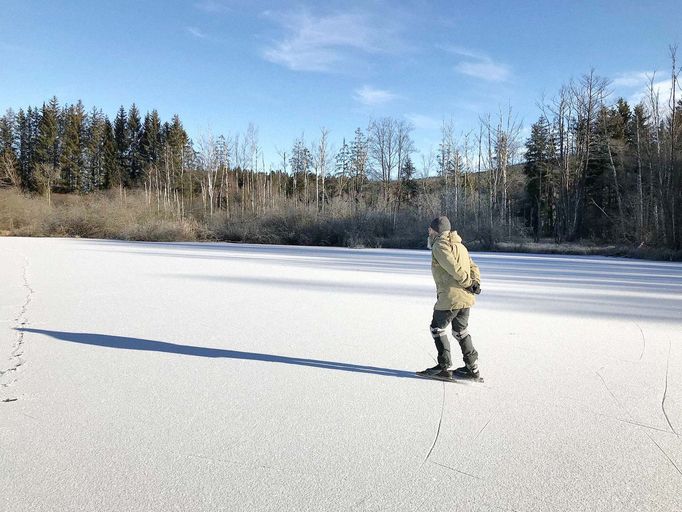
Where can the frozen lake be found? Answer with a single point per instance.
(154, 377)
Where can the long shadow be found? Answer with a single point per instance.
(106, 340)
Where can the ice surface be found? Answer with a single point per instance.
(241, 377)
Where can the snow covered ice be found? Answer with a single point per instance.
(155, 377)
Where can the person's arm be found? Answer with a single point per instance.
(475, 271)
(475, 287)
(450, 262)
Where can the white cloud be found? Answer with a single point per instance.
(661, 88)
(323, 43)
(633, 79)
(464, 52)
(638, 87)
(489, 71)
(196, 32)
(479, 65)
(371, 97)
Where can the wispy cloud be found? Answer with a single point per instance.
(213, 6)
(323, 43)
(632, 79)
(479, 65)
(196, 32)
(638, 86)
(368, 95)
(662, 89)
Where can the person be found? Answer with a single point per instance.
(458, 281)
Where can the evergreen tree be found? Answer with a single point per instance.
(539, 152)
(8, 132)
(151, 143)
(408, 184)
(605, 171)
(342, 165)
(359, 153)
(72, 162)
(94, 150)
(34, 117)
(301, 161)
(122, 147)
(111, 168)
(47, 146)
(25, 130)
(177, 137)
(134, 138)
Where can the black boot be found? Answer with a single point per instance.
(432, 371)
(468, 372)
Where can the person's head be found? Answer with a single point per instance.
(439, 225)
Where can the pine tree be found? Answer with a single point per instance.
(47, 146)
(359, 153)
(175, 151)
(111, 168)
(134, 138)
(408, 185)
(539, 153)
(342, 166)
(34, 118)
(25, 157)
(94, 150)
(301, 160)
(7, 132)
(150, 147)
(122, 147)
(72, 162)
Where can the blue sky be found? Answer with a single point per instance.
(292, 68)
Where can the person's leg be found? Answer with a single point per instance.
(460, 331)
(439, 327)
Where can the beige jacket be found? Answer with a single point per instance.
(453, 271)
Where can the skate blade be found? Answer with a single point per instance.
(462, 377)
(434, 377)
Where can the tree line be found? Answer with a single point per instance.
(606, 171)
(591, 168)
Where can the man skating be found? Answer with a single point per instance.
(458, 280)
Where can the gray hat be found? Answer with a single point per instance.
(440, 224)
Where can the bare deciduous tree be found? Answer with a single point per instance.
(46, 176)
(9, 170)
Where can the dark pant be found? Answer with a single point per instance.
(459, 318)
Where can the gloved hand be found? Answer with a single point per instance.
(475, 288)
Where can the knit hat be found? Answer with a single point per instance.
(440, 224)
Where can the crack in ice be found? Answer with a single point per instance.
(664, 453)
(665, 390)
(643, 342)
(486, 424)
(645, 432)
(456, 470)
(440, 421)
(15, 359)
